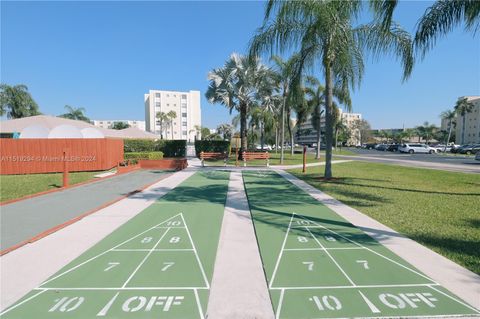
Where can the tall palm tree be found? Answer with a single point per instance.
(162, 119)
(462, 107)
(226, 130)
(442, 17)
(171, 116)
(235, 86)
(449, 116)
(75, 113)
(285, 72)
(16, 101)
(325, 35)
(316, 99)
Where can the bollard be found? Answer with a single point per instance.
(304, 159)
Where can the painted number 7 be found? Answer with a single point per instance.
(167, 265)
(111, 265)
(364, 262)
(309, 265)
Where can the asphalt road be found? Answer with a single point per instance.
(455, 163)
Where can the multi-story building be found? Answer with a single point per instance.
(186, 105)
(468, 126)
(109, 123)
(307, 134)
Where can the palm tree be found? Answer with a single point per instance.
(235, 86)
(324, 33)
(171, 116)
(442, 17)
(162, 119)
(16, 101)
(226, 130)
(197, 129)
(75, 113)
(462, 107)
(449, 116)
(316, 99)
(284, 73)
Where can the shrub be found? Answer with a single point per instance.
(170, 148)
(174, 148)
(211, 146)
(135, 156)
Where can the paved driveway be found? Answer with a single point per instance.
(25, 219)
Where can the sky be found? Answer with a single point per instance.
(104, 56)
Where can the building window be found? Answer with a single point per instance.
(184, 132)
(157, 94)
(157, 104)
(184, 114)
(174, 104)
(184, 123)
(184, 96)
(168, 95)
(184, 105)
(174, 95)
(168, 104)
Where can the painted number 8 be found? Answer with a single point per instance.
(302, 239)
(174, 240)
(146, 240)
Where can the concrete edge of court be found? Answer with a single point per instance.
(462, 282)
(28, 266)
(239, 288)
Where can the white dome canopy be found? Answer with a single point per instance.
(90, 132)
(65, 131)
(35, 131)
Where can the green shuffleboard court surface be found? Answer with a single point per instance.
(318, 265)
(158, 265)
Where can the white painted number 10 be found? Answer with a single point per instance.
(302, 239)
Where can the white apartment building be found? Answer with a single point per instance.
(471, 134)
(108, 124)
(308, 134)
(186, 105)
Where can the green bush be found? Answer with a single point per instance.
(133, 157)
(211, 146)
(174, 148)
(170, 148)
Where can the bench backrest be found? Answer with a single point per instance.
(208, 155)
(256, 155)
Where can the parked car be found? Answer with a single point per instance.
(477, 156)
(265, 147)
(370, 146)
(381, 147)
(456, 148)
(416, 148)
(393, 147)
(469, 149)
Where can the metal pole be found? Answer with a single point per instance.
(65, 169)
(304, 159)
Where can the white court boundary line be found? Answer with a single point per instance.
(23, 301)
(455, 299)
(281, 253)
(120, 288)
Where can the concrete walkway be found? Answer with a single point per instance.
(308, 165)
(239, 288)
(28, 266)
(27, 218)
(450, 275)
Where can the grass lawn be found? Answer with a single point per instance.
(435, 208)
(275, 159)
(16, 186)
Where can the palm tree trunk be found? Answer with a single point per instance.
(262, 128)
(319, 133)
(449, 135)
(171, 125)
(328, 118)
(282, 131)
(289, 127)
(276, 139)
(463, 129)
(243, 129)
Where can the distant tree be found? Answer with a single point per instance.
(16, 102)
(120, 125)
(226, 130)
(364, 129)
(449, 116)
(426, 131)
(462, 107)
(171, 116)
(205, 131)
(162, 119)
(75, 113)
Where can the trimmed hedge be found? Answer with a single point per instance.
(135, 156)
(211, 146)
(170, 148)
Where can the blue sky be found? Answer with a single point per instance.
(104, 56)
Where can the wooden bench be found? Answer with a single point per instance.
(256, 155)
(213, 155)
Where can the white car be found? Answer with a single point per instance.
(416, 148)
(265, 147)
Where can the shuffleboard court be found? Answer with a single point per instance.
(157, 265)
(318, 265)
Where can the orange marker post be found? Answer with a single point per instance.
(65, 169)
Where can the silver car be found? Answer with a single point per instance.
(416, 148)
